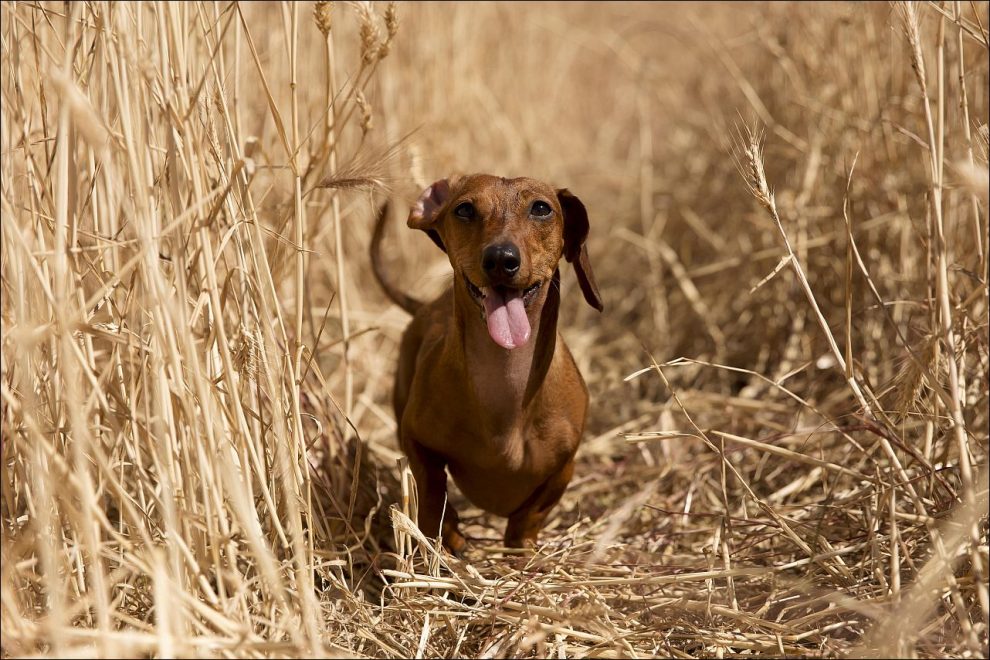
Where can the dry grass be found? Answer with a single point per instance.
(787, 449)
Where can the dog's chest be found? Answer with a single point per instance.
(498, 449)
(484, 426)
(504, 452)
(498, 473)
(532, 447)
(466, 441)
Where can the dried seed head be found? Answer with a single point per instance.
(365, 107)
(321, 14)
(391, 20)
(368, 170)
(391, 29)
(750, 164)
(909, 381)
(245, 353)
(369, 32)
(912, 29)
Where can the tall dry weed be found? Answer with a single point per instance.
(787, 449)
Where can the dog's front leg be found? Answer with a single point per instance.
(526, 522)
(429, 469)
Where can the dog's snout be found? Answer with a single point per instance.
(500, 260)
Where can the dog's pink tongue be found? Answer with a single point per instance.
(508, 324)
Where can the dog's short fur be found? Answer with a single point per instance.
(486, 388)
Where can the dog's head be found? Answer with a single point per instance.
(504, 238)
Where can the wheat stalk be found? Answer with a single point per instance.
(196, 427)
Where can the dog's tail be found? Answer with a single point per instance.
(400, 298)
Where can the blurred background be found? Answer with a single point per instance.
(789, 391)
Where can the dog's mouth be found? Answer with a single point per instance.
(503, 308)
(527, 294)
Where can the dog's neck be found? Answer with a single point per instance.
(505, 381)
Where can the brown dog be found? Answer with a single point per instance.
(485, 387)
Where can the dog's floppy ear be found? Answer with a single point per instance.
(423, 214)
(575, 251)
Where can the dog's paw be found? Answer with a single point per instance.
(522, 542)
(455, 543)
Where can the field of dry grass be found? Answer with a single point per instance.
(788, 439)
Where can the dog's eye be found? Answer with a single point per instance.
(540, 209)
(465, 211)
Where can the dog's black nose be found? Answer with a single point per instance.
(500, 260)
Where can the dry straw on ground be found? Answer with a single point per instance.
(787, 449)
